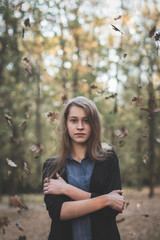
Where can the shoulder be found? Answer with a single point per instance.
(48, 162)
(111, 158)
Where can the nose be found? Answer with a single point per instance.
(80, 125)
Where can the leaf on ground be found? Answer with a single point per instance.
(11, 163)
(120, 220)
(17, 223)
(22, 237)
(16, 202)
(137, 100)
(16, 7)
(123, 132)
(139, 204)
(52, 116)
(145, 215)
(116, 29)
(4, 221)
(37, 148)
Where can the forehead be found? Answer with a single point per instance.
(76, 111)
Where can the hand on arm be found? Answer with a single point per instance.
(80, 208)
(59, 186)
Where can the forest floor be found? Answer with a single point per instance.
(139, 221)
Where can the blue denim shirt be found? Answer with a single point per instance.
(79, 175)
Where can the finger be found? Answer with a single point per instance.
(45, 180)
(57, 175)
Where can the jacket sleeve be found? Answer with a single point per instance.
(53, 202)
(114, 183)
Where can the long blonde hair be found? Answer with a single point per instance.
(94, 147)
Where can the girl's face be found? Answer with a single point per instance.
(78, 126)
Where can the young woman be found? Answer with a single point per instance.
(82, 184)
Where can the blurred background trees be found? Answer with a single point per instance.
(51, 51)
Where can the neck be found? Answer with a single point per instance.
(79, 151)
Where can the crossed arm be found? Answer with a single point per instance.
(83, 203)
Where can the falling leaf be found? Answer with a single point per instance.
(145, 158)
(16, 202)
(111, 96)
(23, 31)
(100, 91)
(156, 110)
(52, 116)
(123, 132)
(27, 171)
(157, 36)
(84, 80)
(93, 86)
(64, 99)
(89, 65)
(126, 204)
(146, 109)
(121, 143)
(145, 135)
(159, 129)
(120, 220)
(9, 119)
(22, 124)
(139, 204)
(16, 7)
(138, 100)
(158, 140)
(27, 65)
(17, 223)
(27, 115)
(11, 163)
(125, 55)
(27, 22)
(152, 31)
(37, 148)
(119, 17)
(116, 29)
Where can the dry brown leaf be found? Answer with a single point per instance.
(27, 171)
(137, 100)
(16, 202)
(123, 132)
(52, 116)
(152, 31)
(64, 99)
(119, 17)
(4, 221)
(116, 29)
(139, 204)
(27, 65)
(16, 7)
(9, 119)
(27, 22)
(22, 124)
(37, 148)
(145, 158)
(111, 96)
(93, 86)
(17, 223)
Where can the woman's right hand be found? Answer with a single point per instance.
(116, 200)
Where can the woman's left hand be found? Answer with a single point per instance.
(54, 186)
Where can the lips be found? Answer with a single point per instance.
(80, 134)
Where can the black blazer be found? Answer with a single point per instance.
(105, 178)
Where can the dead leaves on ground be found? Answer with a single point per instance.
(4, 222)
